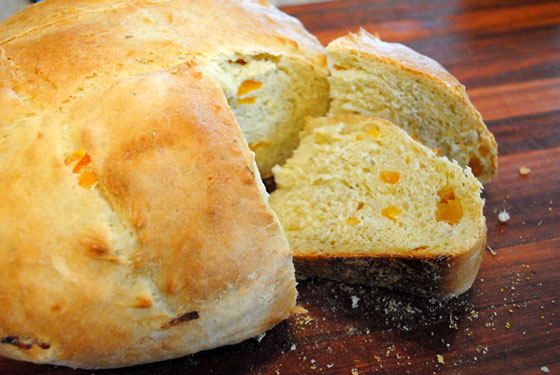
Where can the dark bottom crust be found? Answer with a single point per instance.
(425, 277)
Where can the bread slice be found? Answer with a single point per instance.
(393, 82)
(362, 202)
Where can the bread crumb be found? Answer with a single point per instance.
(545, 369)
(330, 365)
(524, 171)
(440, 359)
(355, 371)
(355, 301)
(260, 337)
(503, 216)
(293, 347)
(299, 310)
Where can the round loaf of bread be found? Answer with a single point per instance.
(134, 224)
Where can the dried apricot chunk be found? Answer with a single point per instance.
(82, 163)
(76, 155)
(353, 221)
(449, 209)
(248, 86)
(391, 212)
(87, 179)
(446, 194)
(373, 132)
(249, 100)
(389, 177)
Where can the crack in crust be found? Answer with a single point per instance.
(23, 342)
(187, 317)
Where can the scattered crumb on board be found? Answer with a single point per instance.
(299, 310)
(503, 216)
(524, 171)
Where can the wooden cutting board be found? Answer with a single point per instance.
(507, 53)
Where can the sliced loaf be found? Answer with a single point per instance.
(393, 82)
(363, 202)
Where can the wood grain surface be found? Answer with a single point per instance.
(507, 53)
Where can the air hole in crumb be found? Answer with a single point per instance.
(476, 166)
(360, 206)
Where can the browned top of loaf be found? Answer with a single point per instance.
(53, 50)
(175, 223)
(363, 43)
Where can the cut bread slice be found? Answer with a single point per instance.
(362, 202)
(393, 82)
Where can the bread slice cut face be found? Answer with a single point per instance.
(393, 82)
(363, 202)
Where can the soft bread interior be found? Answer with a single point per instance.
(390, 81)
(270, 96)
(360, 186)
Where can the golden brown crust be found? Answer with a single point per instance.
(441, 276)
(365, 45)
(396, 54)
(60, 48)
(172, 250)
